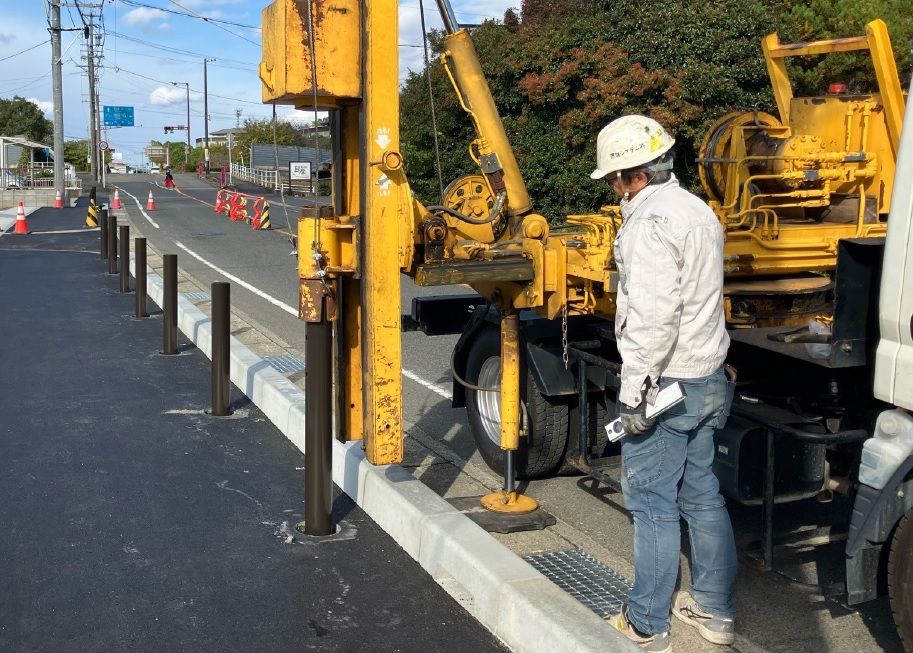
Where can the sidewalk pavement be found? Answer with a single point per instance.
(133, 520)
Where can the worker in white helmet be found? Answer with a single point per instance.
(669, 327)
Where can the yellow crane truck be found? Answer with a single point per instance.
(817, 208)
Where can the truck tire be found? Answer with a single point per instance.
(900, 579)
(545, 419)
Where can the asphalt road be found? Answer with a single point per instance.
(131, 520)
(773, 615)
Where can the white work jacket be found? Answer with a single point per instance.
(669, 319)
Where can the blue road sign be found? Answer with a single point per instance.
(117, 116)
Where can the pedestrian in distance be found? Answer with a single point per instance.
(669, 327)
(169, 178)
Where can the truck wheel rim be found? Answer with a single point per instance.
(489, 402)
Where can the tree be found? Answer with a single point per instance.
(176, 152)
(815, 20)
(18, 116)
(262, 131)
(76, 153)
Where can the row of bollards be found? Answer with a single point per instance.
(318, 449)
(113, 235)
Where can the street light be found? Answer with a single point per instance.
(186, 147)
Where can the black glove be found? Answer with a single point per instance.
(635, 419)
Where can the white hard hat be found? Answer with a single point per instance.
(630, 142)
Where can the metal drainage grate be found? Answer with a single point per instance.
(197, 296)
(285, 363)
(598, 587)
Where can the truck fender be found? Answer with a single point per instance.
(875, 514)
(545, 364)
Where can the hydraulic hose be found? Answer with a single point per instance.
(495, 213)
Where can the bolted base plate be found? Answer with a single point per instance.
(509, 502)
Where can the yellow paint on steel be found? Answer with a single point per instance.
(510, 503)
(510, 382)
(382, 213)
(892, 98)
(285, 69)
(470, 84)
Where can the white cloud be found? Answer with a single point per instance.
(305, 117)
(45, 106)
(143, 16)
(168, 95)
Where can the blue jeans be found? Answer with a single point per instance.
(667, 474)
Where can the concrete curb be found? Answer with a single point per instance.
(506, 594)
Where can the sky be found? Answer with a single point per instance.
(146, 47)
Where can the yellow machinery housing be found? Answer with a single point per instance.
(786, 189)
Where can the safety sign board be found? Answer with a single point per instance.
(299, 170)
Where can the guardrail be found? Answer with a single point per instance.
(266, 178)
(12, 179)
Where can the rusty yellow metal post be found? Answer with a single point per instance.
(509, 500)
(382, 217)
(510, 382)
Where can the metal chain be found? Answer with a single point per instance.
(564, 346)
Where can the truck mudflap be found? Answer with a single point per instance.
(875, 514)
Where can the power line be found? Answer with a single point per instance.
(160, 81)
(134, 3)
(38, 45)
(173, 50)
(203, 18)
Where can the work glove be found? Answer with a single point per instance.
(635, 419)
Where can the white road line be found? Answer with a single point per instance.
(140, 207)
(68, 231)
(293, 311)
(436, 389)
(272, 300)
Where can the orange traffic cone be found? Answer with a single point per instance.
(115, 203)
(22, 225)
(150, 203)
(58, 201)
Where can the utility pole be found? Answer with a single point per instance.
(206, 114)
(230, 134)
(93, 109)
(186, 147)
(187, 150)
(57, 83)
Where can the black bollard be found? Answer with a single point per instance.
(103, 225)
(124, 258)
(221, 384)
(170, 304)
(318, 426)
(139, 246)
(112, 244)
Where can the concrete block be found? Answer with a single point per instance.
(453, 547)
(536, 616)
(349, 468)
(399, 504)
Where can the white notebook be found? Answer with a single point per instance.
(665, 399)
